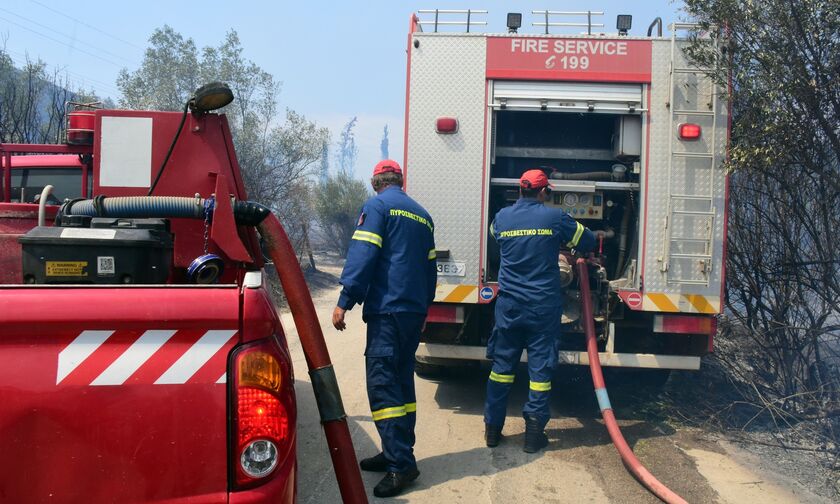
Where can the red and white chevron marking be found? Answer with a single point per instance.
(135, 357)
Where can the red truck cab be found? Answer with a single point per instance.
(175, 392)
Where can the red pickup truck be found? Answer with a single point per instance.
(127, 372)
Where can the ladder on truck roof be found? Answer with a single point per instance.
(690, 222)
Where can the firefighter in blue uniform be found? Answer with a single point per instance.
(529, 305)
(391, 267)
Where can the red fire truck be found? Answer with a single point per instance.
(141, 358)
(633, 138)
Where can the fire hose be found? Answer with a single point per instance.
(280, 250)
(317, 359)
(627, 456)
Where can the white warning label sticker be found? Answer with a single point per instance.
(90, 234)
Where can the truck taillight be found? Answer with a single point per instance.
(446, 125)
(685, 324)
(262, 416)
(689, 131)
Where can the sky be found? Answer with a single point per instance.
(336, 60)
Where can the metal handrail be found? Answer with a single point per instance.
(658, 23)
(588, 25)
(437, 22)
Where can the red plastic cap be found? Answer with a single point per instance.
(533, 179)
(387, 166)
(446, 125)
(690, 131)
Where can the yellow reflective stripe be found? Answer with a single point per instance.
(541, 386)
(368, 237)
(432, 254)
(576, 238)
(385, 413)
(501, 378)
(411, 407)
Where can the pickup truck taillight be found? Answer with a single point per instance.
(262, 411)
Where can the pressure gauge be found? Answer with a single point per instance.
(585, 200)
(570, 199)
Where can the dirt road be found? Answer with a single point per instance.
(579, 465)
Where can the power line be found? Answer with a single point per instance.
(69, 37)
(22, 60)
(62, 43)
(86, 24)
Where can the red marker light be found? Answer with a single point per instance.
(689, 131)
(446, 125)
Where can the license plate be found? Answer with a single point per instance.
(457, 269)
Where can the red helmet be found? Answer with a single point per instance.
(387, 166)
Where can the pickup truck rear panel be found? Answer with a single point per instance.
(115, 394)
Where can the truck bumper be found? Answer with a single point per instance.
(430, 352)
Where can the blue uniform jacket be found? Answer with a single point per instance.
(530, 236)
(391, 264)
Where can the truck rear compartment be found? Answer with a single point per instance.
(593, 185)
(610, 139)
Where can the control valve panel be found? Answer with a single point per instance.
(579, 205)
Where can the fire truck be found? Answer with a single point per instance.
(141, 357)
(633, 137)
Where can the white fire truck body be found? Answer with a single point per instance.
(634, 139)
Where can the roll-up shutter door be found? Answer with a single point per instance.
(567, 96)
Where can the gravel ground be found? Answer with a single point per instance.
(579, 465)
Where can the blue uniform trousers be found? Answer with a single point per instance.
(392, 341)
(521, 327)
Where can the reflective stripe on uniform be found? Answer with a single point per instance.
(432, 254)
(411, 407)
(385, 413)
(368, 237)
(576, 238)
(501, 378)
(541, 386)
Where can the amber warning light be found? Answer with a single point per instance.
(689, 131)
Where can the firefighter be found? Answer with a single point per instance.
(391, 268)
(529, 304)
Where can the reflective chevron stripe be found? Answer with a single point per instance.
(455, 293)
(155, 356)
(681, 303)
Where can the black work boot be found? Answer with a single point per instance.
(492, 434)
(377, 463)
(535, 438)
(394, 482)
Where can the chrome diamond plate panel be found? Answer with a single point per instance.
(444, 173)
(689, 176)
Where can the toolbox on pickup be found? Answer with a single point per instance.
(98, 250)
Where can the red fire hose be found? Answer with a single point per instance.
(627, 456)
(317, 359)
